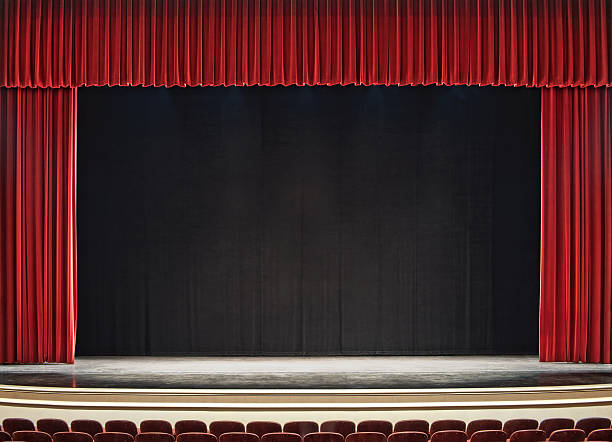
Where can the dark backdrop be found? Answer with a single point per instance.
(308, 220)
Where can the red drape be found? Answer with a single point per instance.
(576, 257)
(267, 42)
(37, 225)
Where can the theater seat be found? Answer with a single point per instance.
(366, 436)
(602, 435)
(239, 437)
(554, 424)
(113, 436)
(4, 436)
(418, 425)
(52, 426)
(301, 427)
(408, 436)
(12, 424)
(512, 425)
(589, 424)
(324, 436)
(483, 424)
(488, 436)
(121, 426)
(156, 426)
(376, 426)
(196, 437)
(190, 426)
(338, 426)
(281, 437)
(571, 435)
(154, 437)
(447, 424)
(88, 426)
(528, 436)
(449, 436)
(72, 436)
(31, 436)
(263, 427)
(219, 427)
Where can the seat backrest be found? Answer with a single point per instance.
(488, 436)
(113, 436)
(31, 436)
(156, 426)
(449, 436)
(366, 436)
(376, 426)
(4, 436)
(190, 426)
(483, 424)
(52, 426)
(88, 426)
(72, 436)
(528, 436)
(301, 427)
(281, 437)
(324, 436)
(570, 435)
(196, 437)
(219, 427)
(589, 424)
(12, 424)
(338, 426)
(121, 426)
(408, 436)
(154, 437)
(239, 437)
(603, 434)
(446, 424)
(556, 423)
(419, 425)
(512, 425)
(263, 427)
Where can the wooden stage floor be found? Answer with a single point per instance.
(341, 372)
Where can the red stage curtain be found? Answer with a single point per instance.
(576, 257)
(268, 42)
(37, 225)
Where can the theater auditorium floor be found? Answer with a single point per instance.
(402, 372)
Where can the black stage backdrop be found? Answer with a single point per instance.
(308, 220)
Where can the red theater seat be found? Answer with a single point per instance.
(190, 426)
(342, 427)
(571, 435)
(418, 425)
(589, 424)
(154, 437)
(488, 436)
(366, 436)
(113, 436)
(324, 436)
(483, 424)
(4, 436)
(301, 427)
(72, 436)
(263, 427)
(156, 426)
(219, 427)
(31, 436)
(376, 426)
(52, 426)
(121, 426)
(408, 436)
(512, 425)
(239, 437)
(447, 424)
(602, 435)
(12, 424)
(196, 437)
(449, 436)
(554, 424)
(527, 436)
(281, 437)
(88, 426)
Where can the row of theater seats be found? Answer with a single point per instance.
(449, 430)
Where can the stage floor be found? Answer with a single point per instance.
(402, 372)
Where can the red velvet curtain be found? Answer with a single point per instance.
(576, 257)
(267, 42)
(37, 225)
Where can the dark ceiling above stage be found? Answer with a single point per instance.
(327, 220)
